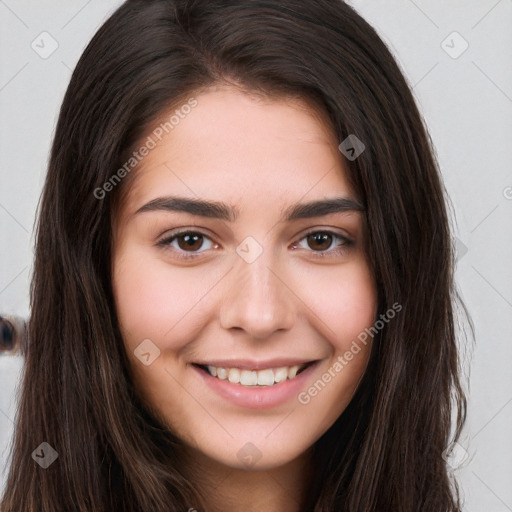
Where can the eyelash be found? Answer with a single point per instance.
(340, 250)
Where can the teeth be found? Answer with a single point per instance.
(281, 374)
(267, 377)
(234, 375)
(248, 378)
(293, 371)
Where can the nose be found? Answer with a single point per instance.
(257, 298)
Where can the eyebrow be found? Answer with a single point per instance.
(220, 210)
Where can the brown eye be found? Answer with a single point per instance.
(322, 243)
(319, 241)
(191, 242)
(187, 244)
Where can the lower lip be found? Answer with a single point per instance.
(258, 397)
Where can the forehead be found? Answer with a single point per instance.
(243, 150)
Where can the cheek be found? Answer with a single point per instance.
(345, 299)
(156, 301)
(348, 306)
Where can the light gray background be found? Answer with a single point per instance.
(467, 104)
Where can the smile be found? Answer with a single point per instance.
(251, 378)
(266, 386)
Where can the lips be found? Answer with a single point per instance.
(257, 396)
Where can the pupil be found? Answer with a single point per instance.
(322, 238)
(190, 240)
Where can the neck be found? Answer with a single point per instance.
(273, 490)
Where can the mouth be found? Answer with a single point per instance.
(243, 377)
(257, 385)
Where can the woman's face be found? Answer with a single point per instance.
(259, 283)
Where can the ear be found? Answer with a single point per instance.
(13, 335)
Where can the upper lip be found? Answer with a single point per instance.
(249, 364)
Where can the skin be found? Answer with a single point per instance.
(259, 156)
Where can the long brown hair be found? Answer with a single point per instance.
(385, 452)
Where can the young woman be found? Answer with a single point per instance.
(243, 293)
